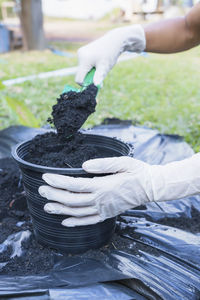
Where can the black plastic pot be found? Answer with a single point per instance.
(47, 228)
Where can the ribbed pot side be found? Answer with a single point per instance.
(47, 227)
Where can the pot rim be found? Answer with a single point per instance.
(45, 169)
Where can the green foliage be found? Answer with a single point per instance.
(18, 64)
(17, 109)
(2, 86)
(17, 105)
(24, 115)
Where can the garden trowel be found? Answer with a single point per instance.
(87, 81)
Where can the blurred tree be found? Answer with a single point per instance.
(31, 18)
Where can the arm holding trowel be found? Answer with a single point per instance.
(167, 36)
(133, 182)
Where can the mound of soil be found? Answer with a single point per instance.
(65, 148)
(72, 110)
(52, 151)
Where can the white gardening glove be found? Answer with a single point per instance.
(103, 52)
(91, 200)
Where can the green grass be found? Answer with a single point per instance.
(71, 47)
(160, 91)
(17, 64)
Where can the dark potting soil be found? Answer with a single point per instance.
(188, 224)
(12, 195)
(14, 218)
(72, 110)
(49, 150)
(116, 121)
(35, 260)
(65, 148)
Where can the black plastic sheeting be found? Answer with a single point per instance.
(170, 271)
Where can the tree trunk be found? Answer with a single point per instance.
(32, 24)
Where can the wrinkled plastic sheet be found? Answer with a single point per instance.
(172, 273)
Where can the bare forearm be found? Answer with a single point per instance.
(174, 35)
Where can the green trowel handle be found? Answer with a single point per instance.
(89, 78)
(87, 81)
(69, 88)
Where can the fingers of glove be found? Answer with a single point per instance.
(61, 209)
(88, 220)
(73, 184)
(106, 165)
(112, 165)
(66, 197)
(102, 68)
(82, 72)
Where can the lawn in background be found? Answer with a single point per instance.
(159, 91)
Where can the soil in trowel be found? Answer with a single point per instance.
(72, 110)
(65, 148)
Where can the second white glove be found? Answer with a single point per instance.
(91, 200)
(104, 52)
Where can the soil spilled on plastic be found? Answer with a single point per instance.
(65, 148)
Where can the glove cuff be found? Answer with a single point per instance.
(176, 180)
(134, 39)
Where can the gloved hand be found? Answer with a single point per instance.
(103, 52)
(91, 200)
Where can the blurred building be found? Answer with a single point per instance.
(96, 9)
(78, 9)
